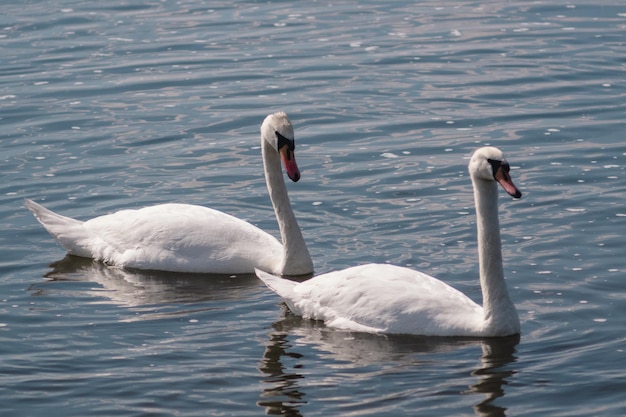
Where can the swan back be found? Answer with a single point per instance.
(381, 298)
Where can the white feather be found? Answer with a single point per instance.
(382, 298)
(190, 238)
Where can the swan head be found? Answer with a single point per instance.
(277, 131)
(489, 164)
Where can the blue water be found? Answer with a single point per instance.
(119, 104)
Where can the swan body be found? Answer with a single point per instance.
(382, 298)
(191, 238)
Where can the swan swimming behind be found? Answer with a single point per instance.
(382, 298)
(190, 238)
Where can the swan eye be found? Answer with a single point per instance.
(495, 165)
(282, 141)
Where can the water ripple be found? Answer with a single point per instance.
(114, 105)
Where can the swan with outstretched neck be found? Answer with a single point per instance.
(197, 239)
(382, 298)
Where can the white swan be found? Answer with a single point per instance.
(380, 298)
(190, 238)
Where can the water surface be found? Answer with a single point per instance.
(113, 105)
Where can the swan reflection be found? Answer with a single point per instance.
(391, 356)
(143, 291)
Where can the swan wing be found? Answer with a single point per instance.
(381, 298)
(169, 237)
(185, 238)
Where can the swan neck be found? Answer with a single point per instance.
(497, 305)
(296, 259)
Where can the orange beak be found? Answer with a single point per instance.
(289, 161)
(505, 181)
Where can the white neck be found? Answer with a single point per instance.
(296, 259)
(499, 310)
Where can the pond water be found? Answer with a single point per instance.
(122, 104)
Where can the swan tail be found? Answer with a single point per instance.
(281, 286)
(65, 230)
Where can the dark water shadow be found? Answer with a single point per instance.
(139, 288)
(286, 395)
